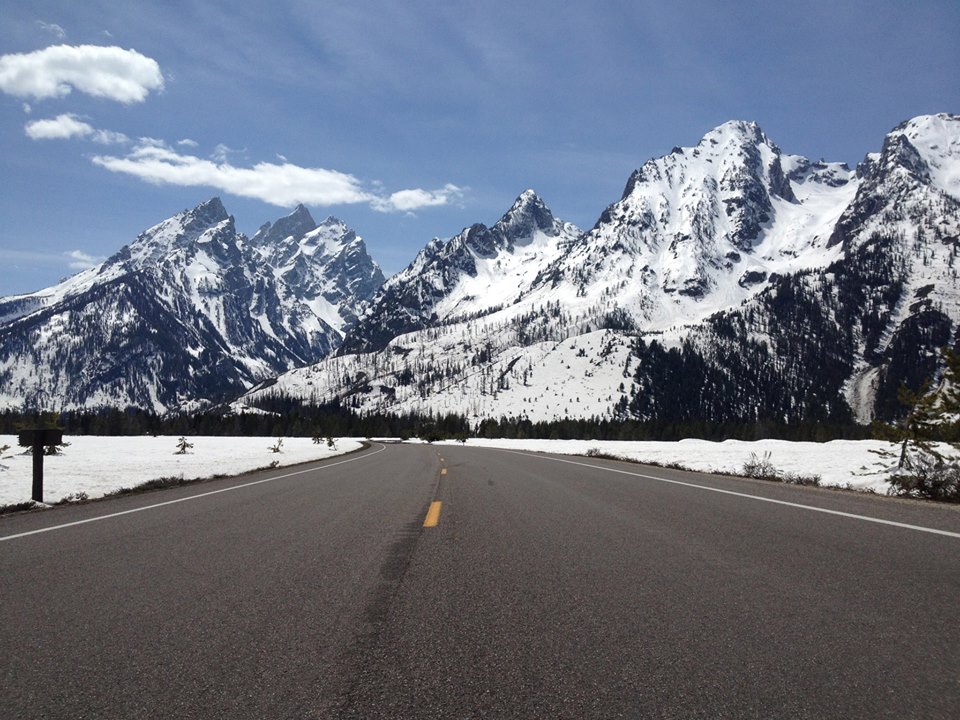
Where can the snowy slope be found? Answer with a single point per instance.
(705, 228)
(909, 201)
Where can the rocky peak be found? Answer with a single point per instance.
(527, 215)
(295, 225)
(183, 231)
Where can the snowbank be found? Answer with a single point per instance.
(99, 465)
(839, 463)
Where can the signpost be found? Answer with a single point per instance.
(38, 438)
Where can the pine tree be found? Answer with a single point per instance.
(923, 469)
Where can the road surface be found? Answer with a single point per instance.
(542, 587)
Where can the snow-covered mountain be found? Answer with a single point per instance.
(189, 313)
(475, 273)
(704, 228)
(730, 283)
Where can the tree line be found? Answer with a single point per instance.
(286, 416)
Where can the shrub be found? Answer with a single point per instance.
(77, 497)
(930, 479)
(760, 468)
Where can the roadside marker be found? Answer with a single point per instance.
(433, 514)
(443, 471)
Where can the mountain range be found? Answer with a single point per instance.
(731, 282)
(189, 313)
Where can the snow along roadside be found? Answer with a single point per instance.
(839, 463)
(98, 465)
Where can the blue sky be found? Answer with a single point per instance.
(412, 120)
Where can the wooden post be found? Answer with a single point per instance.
(38, 438)
(38, 471)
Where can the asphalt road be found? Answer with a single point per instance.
(548, 588)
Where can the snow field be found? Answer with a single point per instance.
(839, 463)
(100, 465)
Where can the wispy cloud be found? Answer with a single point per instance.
(283, 184)
(79, 260)
(66, 126)
(73, 259)
(187, 142)
(53, 29)
(221, 153)
(106, 72)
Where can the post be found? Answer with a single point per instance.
(38, 469)
(38, 438)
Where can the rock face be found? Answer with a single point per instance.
(731, 282)
(189, 313)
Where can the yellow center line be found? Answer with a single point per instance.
(433, 514)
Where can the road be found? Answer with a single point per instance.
(548, 587)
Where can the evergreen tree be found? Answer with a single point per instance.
(923, 469)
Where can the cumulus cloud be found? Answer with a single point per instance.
(66, 126)
(187, 142)
(283, 184)
(414, 199)
(105, 72)
(61, 127)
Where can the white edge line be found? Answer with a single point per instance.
(854, 516)
(186, 499)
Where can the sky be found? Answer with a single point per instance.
(413, 120)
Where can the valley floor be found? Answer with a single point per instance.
(96, 466)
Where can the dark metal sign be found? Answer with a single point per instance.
(41, 437)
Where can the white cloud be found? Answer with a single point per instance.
(80, 260)
(109, 137)
(66, 126)
(283, 184)
(410, 200)
(52, 28)
(187, 142)
(107, 72)
(221, 153)
(61, 127)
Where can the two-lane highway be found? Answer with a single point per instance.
(443, 581)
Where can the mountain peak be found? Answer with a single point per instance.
(527, 215)
(210, 212)
(927, 146)
(295, 225)
(735, 133)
